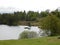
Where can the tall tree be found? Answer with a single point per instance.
(50, 23)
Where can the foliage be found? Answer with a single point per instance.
(50, 23)
(16, 17)
(28, 34)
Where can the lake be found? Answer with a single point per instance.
(13, 32)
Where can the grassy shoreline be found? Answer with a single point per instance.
(38, 41)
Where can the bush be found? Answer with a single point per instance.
(28, 34)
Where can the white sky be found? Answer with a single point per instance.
(34, 5)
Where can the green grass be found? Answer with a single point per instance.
(38, 41)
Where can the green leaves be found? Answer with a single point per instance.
(50, 23)
(28, 34)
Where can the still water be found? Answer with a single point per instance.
(13, 32)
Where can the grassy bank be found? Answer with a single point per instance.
(39, 41)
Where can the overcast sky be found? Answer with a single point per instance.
(34, 5)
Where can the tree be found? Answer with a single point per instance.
(50, 23)
(44, 13)
(32, 16)
(56, 12)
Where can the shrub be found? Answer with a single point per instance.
(28, 34)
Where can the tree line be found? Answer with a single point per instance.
(16, 17)
(19, 16)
